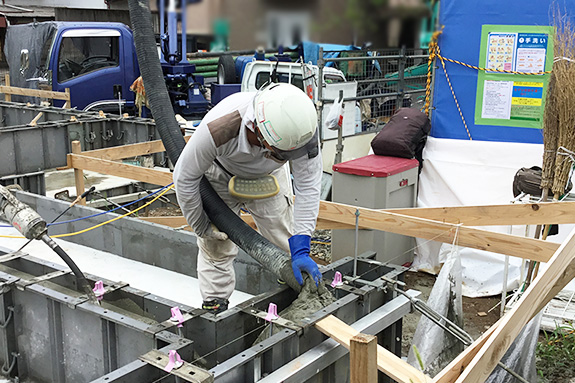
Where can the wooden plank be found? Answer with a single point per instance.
(560, 271)
(492, 215)
(522, 247)
(363, 359)
(7, 97)
(35, 119)
(179, 221)
(127, 151)
(67, 103)
(34, 92)
(387, 362)
(78, 173)
(153, 176)
(452, 371)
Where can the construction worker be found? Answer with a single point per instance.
(252, 135)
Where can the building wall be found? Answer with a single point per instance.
(70, 14)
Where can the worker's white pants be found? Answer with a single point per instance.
(273, 217)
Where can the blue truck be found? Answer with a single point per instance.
(97, 62)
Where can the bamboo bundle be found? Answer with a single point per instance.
(559, 112)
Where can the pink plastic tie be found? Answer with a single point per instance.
(175, 361)
(337, 280)
(272, 312)
(177, 316)
(99, 290)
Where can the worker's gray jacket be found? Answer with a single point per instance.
(222, 135)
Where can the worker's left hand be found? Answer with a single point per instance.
(300, 260)
(214, 233)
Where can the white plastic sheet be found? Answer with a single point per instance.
(436, 346)
(465, 173)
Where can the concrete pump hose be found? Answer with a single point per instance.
(271, 257)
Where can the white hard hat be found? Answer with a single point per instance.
(285, 115)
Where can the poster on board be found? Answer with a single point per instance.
(511, 89)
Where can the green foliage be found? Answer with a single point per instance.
(361, 14)
(556, 355)
(418, 357)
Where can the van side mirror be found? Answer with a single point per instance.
(24, 60)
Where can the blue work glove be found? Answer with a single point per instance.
(300, 261)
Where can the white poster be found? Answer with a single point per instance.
(497, 99)
(500, 49)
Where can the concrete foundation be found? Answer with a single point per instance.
(51, 333)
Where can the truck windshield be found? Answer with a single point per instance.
(263, 77)
(81, 55)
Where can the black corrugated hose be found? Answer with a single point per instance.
(267, 254)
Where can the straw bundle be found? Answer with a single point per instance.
(560, 113)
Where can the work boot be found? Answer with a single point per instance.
(216, 305)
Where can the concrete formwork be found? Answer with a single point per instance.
(53, 333)
(25, 148)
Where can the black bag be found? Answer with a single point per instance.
(403, 136)
(528, 181)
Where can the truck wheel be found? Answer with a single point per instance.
(226, 70)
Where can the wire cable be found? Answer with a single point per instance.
(167, 188)
(107, 211)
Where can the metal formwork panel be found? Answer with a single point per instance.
(58, 335)
(25, 148)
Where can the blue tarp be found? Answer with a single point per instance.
(461, 41)
(310, 51)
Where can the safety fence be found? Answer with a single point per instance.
(377, 84)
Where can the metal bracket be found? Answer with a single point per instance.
(187, 371)
(279, 321)
(168, 323)
(23, 283)
(11, 256)
(115, 286)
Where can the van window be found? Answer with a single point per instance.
(263, 77)
(81, 55)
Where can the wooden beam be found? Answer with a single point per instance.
(153, 176)
(522, 247)
(35, 119)
(78, 173)
(34, 92)
(560, 271)
(67, 104)
(492, 215)
(363, 359)
(387, 362)
(127, 151)
(179, 221)
(7, 96)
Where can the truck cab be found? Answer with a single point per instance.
(96, 61)
(257, 73)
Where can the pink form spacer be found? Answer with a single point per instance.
(177, 316)
(99, 290)
(337, 280)
(175, 361)
(272, 312)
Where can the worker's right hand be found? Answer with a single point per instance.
(214, 233)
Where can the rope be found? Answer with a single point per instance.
(103, 223)
(434, 52)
